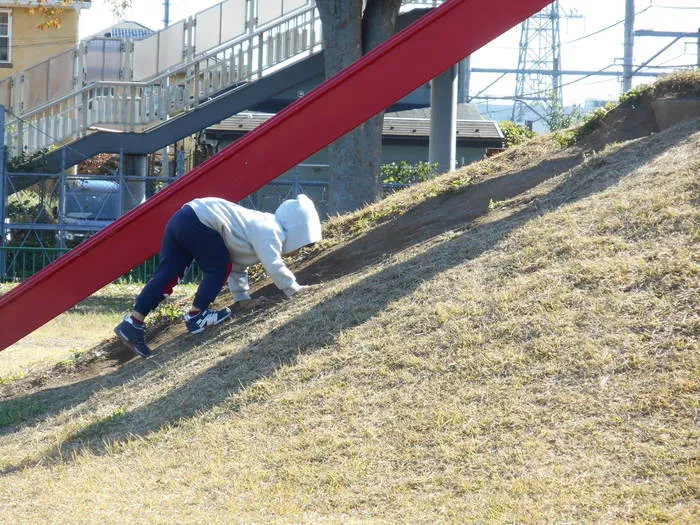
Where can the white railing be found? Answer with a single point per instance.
(133, 86)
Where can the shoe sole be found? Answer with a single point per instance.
(131, 345)
(200, 330)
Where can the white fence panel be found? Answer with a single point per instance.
(208, 29)
(35, 86)
(103, 60)
(171, 49)
(232, 19)
(146, 58)
(61, 75)
(268, 10)
(290, 5)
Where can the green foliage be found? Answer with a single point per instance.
(405, 173)
(166, 313)
(493, 205)
(515, 133)
(566, 137)
(630, 99)
(633, 96)
(593, 121)
(557, 118)
(17, 410)
(32, 163)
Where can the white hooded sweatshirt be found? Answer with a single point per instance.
(254, 236)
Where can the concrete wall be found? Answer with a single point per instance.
(30, 45)
(669, 112)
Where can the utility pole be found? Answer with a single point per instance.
(166, 13)
(629, 46)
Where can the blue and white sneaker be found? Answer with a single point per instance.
(133, 336)
(204, 319)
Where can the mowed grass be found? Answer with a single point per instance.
(73, 332)
(539, 365)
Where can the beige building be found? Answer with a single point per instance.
(23, 44)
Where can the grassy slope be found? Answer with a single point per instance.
(73, 332)
(540, 365)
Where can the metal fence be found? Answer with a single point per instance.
(19, 261)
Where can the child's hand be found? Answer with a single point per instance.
(249, 304)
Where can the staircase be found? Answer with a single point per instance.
(123, 91)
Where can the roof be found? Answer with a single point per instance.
(464, 112)
(411, 123)
(127, 30)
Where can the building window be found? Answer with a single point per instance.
(5, 35)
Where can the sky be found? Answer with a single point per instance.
(583, 46)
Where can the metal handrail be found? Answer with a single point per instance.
(144, 103)
(173, 71)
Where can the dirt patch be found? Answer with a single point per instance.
(625, 122)
(437, 215)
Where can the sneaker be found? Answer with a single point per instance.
(133, 336)
(204, 319)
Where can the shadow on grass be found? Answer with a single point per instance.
(354, 306)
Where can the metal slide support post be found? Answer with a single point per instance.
(134, 188)
(465, 72)
(62, 201)
(180, 163)
(122, 182)
(3, 174)
(442, 148)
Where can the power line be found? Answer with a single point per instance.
(544, 92)
(607, 27)
(675, 7)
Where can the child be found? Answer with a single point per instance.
(224, 238)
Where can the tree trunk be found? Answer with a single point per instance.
(354, 175)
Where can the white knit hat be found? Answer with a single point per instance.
(300, 222)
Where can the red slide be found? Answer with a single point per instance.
(411, 58)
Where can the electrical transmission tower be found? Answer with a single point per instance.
(538, 82)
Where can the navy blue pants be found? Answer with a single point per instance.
(185, 239)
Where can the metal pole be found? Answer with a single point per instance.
(465, 70)
(629, 46)
(166, 16)
(122, 182)
(699, 47)
(2, 193)
(442, 147)
(62, 201)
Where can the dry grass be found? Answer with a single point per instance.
(683, 84)
(540, 365)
